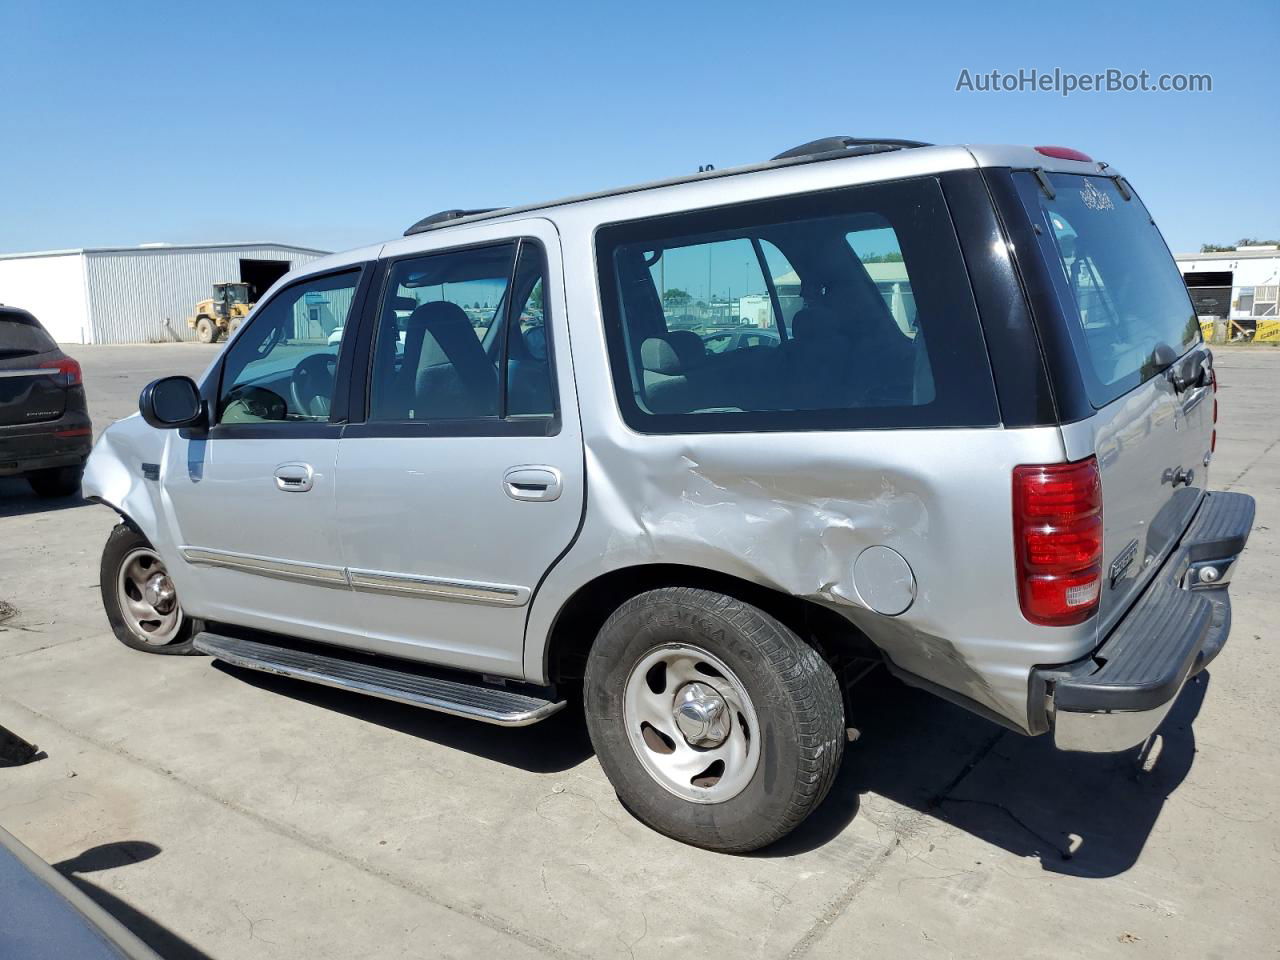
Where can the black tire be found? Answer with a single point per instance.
(121, 544)
(795, 695)
(56, 481)
(206, 330)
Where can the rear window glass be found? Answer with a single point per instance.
(842, 310)
(1126, 294)
(21, 335)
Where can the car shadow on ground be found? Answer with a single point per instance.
(17, 499)
(556, 744)
(1081, 814)
(108, 856)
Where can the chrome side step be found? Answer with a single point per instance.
(489, 704)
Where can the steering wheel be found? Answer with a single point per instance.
(311, 384)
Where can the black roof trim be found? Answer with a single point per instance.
(443, 217)
(836, 148)
(848, 146)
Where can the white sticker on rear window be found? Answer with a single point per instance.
(1095, 199)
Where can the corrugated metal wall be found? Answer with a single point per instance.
(145, 296)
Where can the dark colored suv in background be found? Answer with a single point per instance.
(45, 432)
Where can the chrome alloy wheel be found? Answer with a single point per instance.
(691, 723)
(148, 600)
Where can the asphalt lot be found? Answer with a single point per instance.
(228, 814)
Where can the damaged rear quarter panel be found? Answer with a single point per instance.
(792, 512)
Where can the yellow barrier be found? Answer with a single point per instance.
(1206, 330)
(1268, 331)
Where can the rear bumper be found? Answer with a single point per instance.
(58, 443)
(1117, 697)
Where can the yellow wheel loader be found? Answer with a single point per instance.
(221, 314)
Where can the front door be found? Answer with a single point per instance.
(253, 496)
(465, 480)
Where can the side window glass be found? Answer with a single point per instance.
(712, 293)
(282, 368)
(529, 383)
(878, 249)
(434, 355)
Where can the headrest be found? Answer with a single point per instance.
(674, 354)
(658, 356)
(437, 313)
(814, 323)
(688, 347)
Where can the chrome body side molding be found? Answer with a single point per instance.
(362, 581)
(267, 566)
(467, 591)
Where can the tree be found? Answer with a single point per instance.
(1245, 242)
(676, 296)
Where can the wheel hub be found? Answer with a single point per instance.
(701, 715)
(159, 592)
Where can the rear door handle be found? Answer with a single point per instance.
(532, 482)
(295, 477)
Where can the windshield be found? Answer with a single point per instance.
(237, 293)
(1126, 290)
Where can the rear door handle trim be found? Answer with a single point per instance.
(533, 482)
(295, 477)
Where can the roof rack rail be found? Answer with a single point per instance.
(443, 217)
(847, 146)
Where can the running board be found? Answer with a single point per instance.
(489, 704)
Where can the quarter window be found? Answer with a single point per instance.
(839, 310)
(283, 367)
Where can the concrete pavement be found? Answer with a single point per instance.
(229, 814)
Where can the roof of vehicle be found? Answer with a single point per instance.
(710, 187)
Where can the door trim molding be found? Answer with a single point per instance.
(361, 581)
(272, 567)
(436, 588)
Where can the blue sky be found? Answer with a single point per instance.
(334, 125)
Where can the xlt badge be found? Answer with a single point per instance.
(1123, 561)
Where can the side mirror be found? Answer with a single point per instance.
(171, 402)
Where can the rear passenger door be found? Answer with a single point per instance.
(462, 470)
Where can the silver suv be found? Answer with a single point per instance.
(968, 438)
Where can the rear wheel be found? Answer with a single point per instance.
(56, 482)
(714, 722)
(140, 600)
(206, 332)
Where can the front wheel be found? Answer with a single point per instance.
(716, 724)
(140, 600)
(206, 332)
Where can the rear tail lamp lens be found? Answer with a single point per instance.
(69, 368)
(1057, 526)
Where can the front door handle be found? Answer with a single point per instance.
(532, 482)
(295, 477)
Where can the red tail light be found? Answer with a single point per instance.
(1057, 532)
(69, 369)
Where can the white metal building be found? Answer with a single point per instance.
(1242, 285)
(135, 294)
